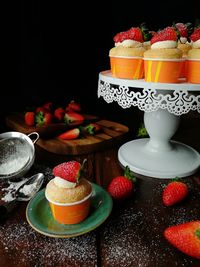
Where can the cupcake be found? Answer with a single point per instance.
(126, 57)
(69, 193)
(193, 62)
(162, 57)
(184, 30)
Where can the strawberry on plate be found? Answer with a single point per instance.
(70, 134)
(174, 192)
(121, 187)
(29, 118)
(185, 237)
(70, 171)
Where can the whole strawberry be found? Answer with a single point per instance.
(185, 237)
(70, 171)
(174, 192)
(167, 34)
(29, 118)
(121, 187)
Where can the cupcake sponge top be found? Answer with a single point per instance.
(163, 53)
(121, 51)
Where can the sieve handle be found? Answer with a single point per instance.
(37, 137)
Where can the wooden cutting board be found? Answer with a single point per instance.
(112, 133)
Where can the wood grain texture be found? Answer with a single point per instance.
(111, 134)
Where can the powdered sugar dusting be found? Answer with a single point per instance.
(133, 235)
(20, 239)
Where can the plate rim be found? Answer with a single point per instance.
(68, 235)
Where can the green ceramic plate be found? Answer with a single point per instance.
(39, 215)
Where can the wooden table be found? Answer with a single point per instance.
(131, 236)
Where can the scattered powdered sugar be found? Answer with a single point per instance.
(21, 240)
(11, 189)
(133, 235)
(28, 189)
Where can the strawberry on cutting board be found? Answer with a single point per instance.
(70, 134)
(73, 118)
(121, 187)
(43, 118)
(185, 237)
(29, 118)
(174, 192)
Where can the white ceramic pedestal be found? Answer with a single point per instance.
(157, 156)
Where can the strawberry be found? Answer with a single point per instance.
(70, 134)
(43, 118)
(174, 192)
(29, 118)
(41, 109)
(135, 34)
(120, 37)
(121, 187)
(73, 107)
(59, 113)
(92, 128)
(48, 106)
(167, 34)
(72, 118)
(195, 36)
(183, 29)
(70, 171)
(185, 237)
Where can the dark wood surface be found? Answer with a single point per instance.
(131, 236)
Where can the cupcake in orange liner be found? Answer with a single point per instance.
(69, 193)
(126, 57)
(184, 44)
(162, 63)
(193, 61)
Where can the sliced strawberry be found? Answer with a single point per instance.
(167, 34)
(70, 171)
(70, 134)
(59, 114)
(73, 107)
(29, 118)
(72, 118)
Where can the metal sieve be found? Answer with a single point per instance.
(17, 154)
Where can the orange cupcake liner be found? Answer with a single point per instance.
(70, 213)
(163, 71)
(127, 67)
(193, 71)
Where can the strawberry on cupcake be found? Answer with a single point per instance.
(69, 193)
(126, 57)
(162, 56)
(193, 62)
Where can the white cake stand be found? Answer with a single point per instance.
(163, 103)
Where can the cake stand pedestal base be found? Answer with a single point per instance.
(157, 156)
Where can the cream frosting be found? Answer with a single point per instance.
(183, 40)
(129, 43)
(164, 44)
(63, 183)
(196, 44)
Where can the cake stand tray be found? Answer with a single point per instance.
(162, 103)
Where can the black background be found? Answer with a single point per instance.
(54, 51)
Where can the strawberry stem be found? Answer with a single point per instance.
(129, 174)
(197, 233)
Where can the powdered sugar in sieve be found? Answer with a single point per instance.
(14, 155)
